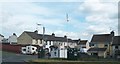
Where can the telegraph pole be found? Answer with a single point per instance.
(67, 19)
(41, 51)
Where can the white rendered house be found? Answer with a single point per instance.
(12, 39)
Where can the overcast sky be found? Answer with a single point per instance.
(86, 17)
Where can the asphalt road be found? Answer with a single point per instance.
(13, 57)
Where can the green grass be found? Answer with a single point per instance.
(52, 61)
(47, 60)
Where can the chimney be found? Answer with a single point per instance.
(53, 34)
(36, 31)
(14, 34)
(112, 33)
(79, 39)
(65, 36)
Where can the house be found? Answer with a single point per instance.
(83, 44)
(116, 47)
(49, 42)
(1, 38)
(56, 41)
(57, 52)
(32, 38)
(57, 47)
(54, 53)
(102, 43)
(101, 52)
(12, 39)
(5, 41)
(72, 43)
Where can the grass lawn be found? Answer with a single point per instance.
(52, 61)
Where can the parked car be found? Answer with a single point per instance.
(29, 50)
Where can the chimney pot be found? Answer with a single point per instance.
(36, 31)
(53, 34)
(65, 36)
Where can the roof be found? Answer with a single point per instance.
(54, 46)
(76, 41)
(116, 40)
(83, 41)
(101, 38)
(1, 35)
(46, 37)
(34, 35)
(96, 49)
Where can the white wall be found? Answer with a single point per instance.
(49, 43)
(53, 55)
(63, 53)
(1, 38)
(72, 45)
(12, 39)
(113, 49)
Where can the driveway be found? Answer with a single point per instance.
(13, 57)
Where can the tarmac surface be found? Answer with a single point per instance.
(13, 57)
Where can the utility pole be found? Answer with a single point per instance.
(41, 51)
(67, 19)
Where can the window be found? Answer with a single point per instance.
(91, 44)
(105, 45)
(49, 42)
(116, 47)
(55, 53)
(40, 41)
(32, 48)
(46, 43)
(61, 44)
(61, 48)
(96, 54)
(24, 49)
(51, 49)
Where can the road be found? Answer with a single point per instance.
(13, 57)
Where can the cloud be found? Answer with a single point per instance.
(100, 16)
(86, 18)
(55, 0)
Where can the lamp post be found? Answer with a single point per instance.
(41, 51)
(43, 30)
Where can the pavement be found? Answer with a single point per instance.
(13, 57)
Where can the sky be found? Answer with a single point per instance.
(86, 17)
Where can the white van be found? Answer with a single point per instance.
(29, 50)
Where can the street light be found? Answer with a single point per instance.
(40, 50)
(43, 30)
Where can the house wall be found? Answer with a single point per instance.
(12, 39)
(54, 53)
(63, 53)
(49, 43)
(1, 38)
(113, 50)
(62, 44)
(39, 42)
(34, 41)
(87, 45)
(102, 54)
(24, 39)
(100, 45)
(72, 45)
